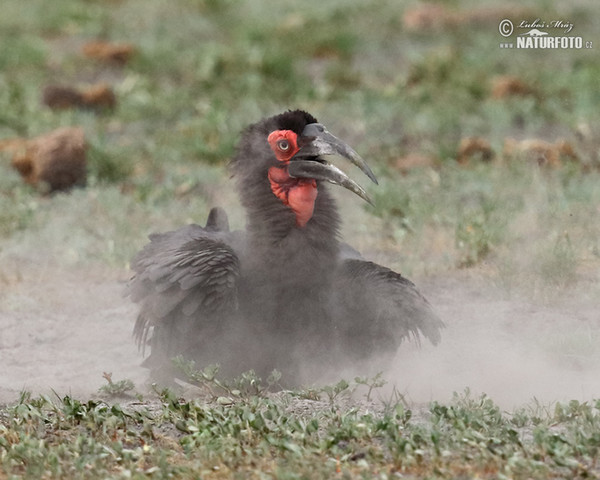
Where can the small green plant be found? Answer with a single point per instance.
(335, 392)
(371, 383)
(116, 388)
(247, 385)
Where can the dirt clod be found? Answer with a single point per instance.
(474, 147)
(54, 161)
(118, 53)
(540, 151)
(505, 86)
(97, 97)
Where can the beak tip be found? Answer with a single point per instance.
(320, 142)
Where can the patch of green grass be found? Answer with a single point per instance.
(67, 16)
(18, 53)
(281, 437)
(17, 210)
(511, 218)
(107, 165)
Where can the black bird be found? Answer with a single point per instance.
(286, 293)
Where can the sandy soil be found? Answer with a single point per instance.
(514, 350)
(60, 329)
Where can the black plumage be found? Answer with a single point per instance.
(286, 293)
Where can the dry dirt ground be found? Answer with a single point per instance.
(61, 328)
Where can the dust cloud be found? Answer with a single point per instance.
(512, 349)
(62, 325)
(62, 328)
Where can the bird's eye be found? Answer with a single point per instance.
(283, 145)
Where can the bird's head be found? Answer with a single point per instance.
(284, 154)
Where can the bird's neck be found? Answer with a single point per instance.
(287, 269)
(273, 226)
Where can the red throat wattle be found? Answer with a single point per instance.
(297, 193)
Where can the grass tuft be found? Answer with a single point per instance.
(282, 435)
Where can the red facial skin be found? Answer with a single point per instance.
(297, 193)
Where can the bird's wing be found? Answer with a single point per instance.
(348, 252)
(378, 308)
(180, 279)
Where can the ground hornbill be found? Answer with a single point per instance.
(285, 294)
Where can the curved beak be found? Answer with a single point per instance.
(321, 170)
(315, 141)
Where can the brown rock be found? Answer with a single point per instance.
(96, 97)
(507, 86)
(540, 151)
(109, 52)
(60, 98)
(54, 161)
(566, 150)
(471, 147)
(99, 96)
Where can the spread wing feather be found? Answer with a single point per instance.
(181, 279)
(378, 308)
